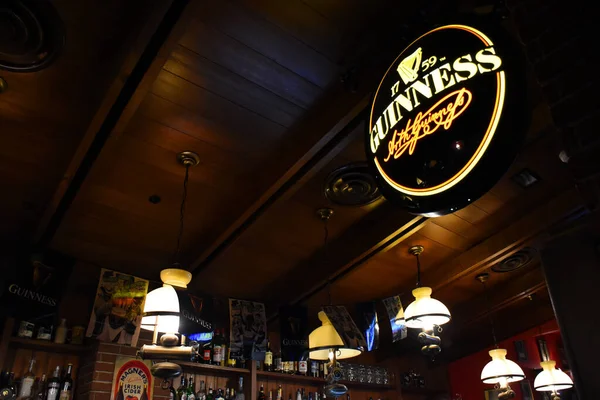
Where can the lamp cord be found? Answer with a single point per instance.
(325, 240)
(182, 214)
(418, 271)
(487, 300)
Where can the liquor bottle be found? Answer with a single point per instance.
(230, 361)
(224, 348)
(310, 396)
(314, 369)
(278, 362)
(207, 352)
(191, 389)
(240, 392)
(121, 395)
(271, 394)
(268, 358)
(321, 374)
(61, 332)
(261, 393)
(28, 380)
(217, 348)
(182, 389)
(145, 393)
(302, 367)
(172, 392)
(290, 397)
(54, 385)
(279, 393)
(66, 386)
(295, 368)
(41, 389)
(210, 395)
(201, 394)
(232, 394)
(220, 395)
(303, 395)
(298, 395)
(9, 389)
(347, 396)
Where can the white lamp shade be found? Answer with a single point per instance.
(425, 312)
(161, 300)
(500, 370)
(324, 339)
(552, 379)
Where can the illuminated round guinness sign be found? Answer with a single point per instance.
(447, 119)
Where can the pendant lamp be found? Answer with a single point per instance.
(161, 307)
(552, 379)
(324, 343)
(424, 312)
(500, 371)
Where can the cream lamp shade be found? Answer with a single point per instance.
(176, 277)
(500, 370)
(161, 310)
(325, 339)
(552, 379)
(425, 312)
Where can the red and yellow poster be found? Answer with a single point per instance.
(132, 380)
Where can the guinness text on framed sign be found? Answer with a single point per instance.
(447, 119)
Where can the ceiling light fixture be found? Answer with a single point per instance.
(525, 178)
(500, 371)
(552, 379)
(325, 343)
(424, 312)
(161, 308)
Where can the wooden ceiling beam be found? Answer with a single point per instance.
(500, 297)
(141, 64)
(378, 231)
(506, 242)
(321, 135)
(508, 322)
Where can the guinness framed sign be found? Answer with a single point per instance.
(448, 118)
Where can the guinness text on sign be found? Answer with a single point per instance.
(435, 117)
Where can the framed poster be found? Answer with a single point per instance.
(32, 285)
(526, 389)
(293, 327)
(248, 329)
(395, 313)
(132, 380)
(118, 307)
(521, 350)
(345, 327)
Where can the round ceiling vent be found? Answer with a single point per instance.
(352, 185)
(31, 35)
(518, 260)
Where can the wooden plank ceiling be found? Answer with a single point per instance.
(254, 88)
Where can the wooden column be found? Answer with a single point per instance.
(571, 264)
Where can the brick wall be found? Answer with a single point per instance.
(559, 38)
(96, 372)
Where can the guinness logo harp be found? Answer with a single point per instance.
(447, 118)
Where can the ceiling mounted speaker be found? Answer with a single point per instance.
(31, 35)
(351, 185)
(518, 260)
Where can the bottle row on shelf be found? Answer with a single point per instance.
(30, 387)
(214, 352)
(187, 391)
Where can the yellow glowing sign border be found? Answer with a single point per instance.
(491, 130)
